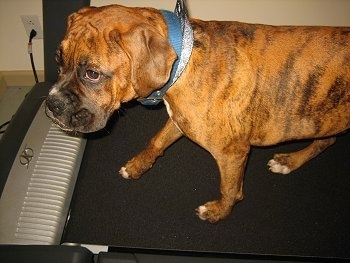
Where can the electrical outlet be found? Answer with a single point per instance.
(32, 22)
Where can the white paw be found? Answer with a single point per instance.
(124, 173)
(276, 167)
(201, 212)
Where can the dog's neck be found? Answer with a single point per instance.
(180, 36)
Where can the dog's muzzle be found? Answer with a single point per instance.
(62, 112)
(56, 106)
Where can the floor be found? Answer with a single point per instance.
(10, 102)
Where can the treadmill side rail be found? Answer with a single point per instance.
(35, 202)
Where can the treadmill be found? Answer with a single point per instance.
(62, 199)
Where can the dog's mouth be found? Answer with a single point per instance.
(56, 121)
(72, 121)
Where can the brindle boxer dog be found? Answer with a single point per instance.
(244, 85)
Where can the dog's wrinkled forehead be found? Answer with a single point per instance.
(94, 31)
(95, 19)
(81, 39)
(112, 17)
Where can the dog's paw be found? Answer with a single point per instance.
(277, 167)
(135, 168)
(201, 212)
(127, 172)
(213, 211)
(124, 173)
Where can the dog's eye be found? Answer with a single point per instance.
(92, 75)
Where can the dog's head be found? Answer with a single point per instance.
(108, 56)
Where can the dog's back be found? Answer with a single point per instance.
(281, 83)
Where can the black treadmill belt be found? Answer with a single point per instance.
(306, 213)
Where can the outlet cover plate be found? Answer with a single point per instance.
(32, 22)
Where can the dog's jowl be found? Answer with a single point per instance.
(227, 86)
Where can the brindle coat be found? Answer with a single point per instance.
(245, 84)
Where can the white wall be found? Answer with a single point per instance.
(277, 12)
(13, 38)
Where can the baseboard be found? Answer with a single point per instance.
(18, 78)
(21, 77)
(3, 85)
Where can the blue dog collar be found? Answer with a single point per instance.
(175, 39)
(180, 36)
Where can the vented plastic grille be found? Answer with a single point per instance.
(49, 185)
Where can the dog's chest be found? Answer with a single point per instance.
(171, 114)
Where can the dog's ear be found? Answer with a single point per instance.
(152, 58)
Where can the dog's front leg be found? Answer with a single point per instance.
(143, 161)
(231, 165)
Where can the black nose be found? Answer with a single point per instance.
(55, 105)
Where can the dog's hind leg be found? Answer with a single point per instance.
(284, 163)
(231, 165)
(143, 161)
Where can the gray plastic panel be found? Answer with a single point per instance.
(35, 202)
